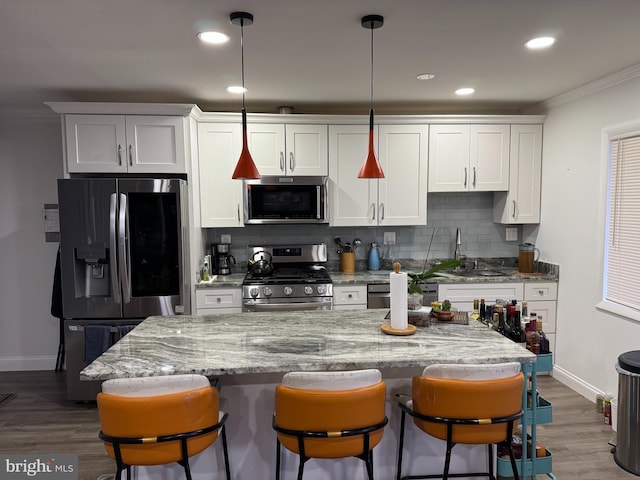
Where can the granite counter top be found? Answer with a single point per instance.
(250, 343)
(509, 275)
(382, 276)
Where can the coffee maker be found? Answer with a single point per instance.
(223, 258)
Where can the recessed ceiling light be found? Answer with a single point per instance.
(465, 91)
(236, 89)
(214, 38)
(540, 42)
(425, 76)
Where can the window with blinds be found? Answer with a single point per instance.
(622, 269)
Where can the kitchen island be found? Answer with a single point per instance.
(249, 352)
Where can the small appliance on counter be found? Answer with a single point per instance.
(224, 259)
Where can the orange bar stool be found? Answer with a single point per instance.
(467, 404)
(330, 415)
(160, 420)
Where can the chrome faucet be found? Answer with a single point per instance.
(456, 253)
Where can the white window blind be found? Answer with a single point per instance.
(622, 272)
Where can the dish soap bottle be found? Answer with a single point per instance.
(373, 259)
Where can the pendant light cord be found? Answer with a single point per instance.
(242, 58)
(371, 98)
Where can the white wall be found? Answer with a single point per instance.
(571, 233)
(30, 163)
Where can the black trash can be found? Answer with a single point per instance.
(627, 450)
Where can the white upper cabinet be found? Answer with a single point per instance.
(290, 149)
(472, 158)
(521, 204)
(125, 144)
(219, 146)
(398, 199)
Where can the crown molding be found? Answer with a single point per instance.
(584, 91)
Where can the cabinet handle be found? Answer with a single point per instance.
(218, 300)
(373, 209)
(238, 211)
(514, 209)
(119, 155)
(282, 161)
(541, 293)
(474, 177)
(350, 295)
(130, 155)
(465, 177)
(291, 162)
(381, 211)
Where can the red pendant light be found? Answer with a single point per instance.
(371, 167)
(245, 168)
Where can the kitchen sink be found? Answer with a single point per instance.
(481, 273)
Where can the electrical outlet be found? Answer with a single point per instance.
(512, 234)
(225, 238)
(389, 238)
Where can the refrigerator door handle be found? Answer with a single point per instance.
(123, 249)
(113, 248)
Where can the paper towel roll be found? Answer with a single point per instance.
(398, 289)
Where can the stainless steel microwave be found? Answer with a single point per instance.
(286, 200)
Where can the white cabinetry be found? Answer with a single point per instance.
(218, 300)
(521, 204)
(349, 297)
(219, 146)
(125, 144)
(398, 199)
(468, 158)
(461, 295)
(542, 298)
(290, 149)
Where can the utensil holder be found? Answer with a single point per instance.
(348, 262)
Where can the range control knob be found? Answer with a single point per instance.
(288, 290)
(322, 289)
(267, 291)
(308, 290)
(254, 292)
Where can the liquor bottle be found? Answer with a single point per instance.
(476, 309)
(483, 311)
(502, 329)
(517, 334)
(525, 312)
(544, 341)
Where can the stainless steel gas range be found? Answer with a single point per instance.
(287, 277)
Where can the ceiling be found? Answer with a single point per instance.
(313, 56)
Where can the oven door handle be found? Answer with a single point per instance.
(281, 307)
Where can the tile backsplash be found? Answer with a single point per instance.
(471, 212)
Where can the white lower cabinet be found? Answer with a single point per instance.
(218, 300)
(540, 296)
(461, 295)
(349, 297)
(542, 299)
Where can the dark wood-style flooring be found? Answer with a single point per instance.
(40, 420)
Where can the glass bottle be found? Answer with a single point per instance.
(518, 334)
(476, 309)
(544, 341)
(483, 311)
(502, 329)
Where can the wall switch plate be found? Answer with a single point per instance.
(225, 238)
(512, 234)
(389, 238)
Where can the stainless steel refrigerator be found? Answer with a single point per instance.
(123, 251)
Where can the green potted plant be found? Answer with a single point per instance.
(435, 271)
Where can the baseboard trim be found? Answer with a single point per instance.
(576, 384)
(18, 364)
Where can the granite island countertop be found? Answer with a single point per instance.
(255, 343)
